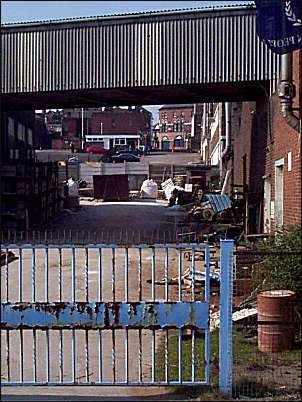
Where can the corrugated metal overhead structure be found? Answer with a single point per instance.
(199, 46)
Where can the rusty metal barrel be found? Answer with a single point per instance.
(276, 320)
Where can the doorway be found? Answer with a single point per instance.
(267, 205)
(279, 168)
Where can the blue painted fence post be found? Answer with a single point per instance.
(225, 312)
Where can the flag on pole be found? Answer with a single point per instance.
(279, 24)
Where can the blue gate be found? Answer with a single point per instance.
(101, 314)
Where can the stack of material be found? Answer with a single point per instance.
(211, 205)
(168, 186)
(200, 277)
(179, 180)
(186, 278)
(237, 316)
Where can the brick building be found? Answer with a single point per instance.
(261, 157)
(107, 127)
(115, 126)
(180, 127)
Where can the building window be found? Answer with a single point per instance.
(21, 132)
(179, 141)
(120, 141)
(14, 154)
(182, 124)
(11, 132)
(30, 136)
(113, 123)
(164, 128)
(10, 126)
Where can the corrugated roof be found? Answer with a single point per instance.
(137, 14)
(219, 202)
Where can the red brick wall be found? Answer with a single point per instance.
(285, 140)
(264, 142)
(241, 131)
(187, 112)
(120, 122)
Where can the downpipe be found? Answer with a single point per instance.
(227, 147)
(227, 129)
(286, 92)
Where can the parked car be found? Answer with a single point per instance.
(124, 157)
(135, 151)
(95, 149)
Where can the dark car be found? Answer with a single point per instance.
(136, 152)
(124, 157)
(95, 149)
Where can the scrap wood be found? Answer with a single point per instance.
(186, 278)
(236, 316)
(172, 281)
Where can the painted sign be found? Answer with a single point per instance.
(279, 24)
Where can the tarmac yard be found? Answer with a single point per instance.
(141, 217)
(93, 216)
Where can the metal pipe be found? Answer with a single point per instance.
(227, 148)
(227, 129)
(286, 92)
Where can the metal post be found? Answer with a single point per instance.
(225, 311)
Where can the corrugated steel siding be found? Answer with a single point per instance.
(196, 49)
(219, 202)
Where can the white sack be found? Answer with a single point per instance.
(149, 189)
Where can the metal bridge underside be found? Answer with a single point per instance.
(168, 57)
(232, 92)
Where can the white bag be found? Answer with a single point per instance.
(72, 188)
(149, 189)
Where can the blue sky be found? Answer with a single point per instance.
(15, 11)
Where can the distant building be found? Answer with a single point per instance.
(114, 126)
(180, 127)
(107, 127)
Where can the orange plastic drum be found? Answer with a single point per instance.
(276, 316)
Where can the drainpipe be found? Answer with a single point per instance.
(227, 129)
(227, 147)
(286, 92)
(204, 133)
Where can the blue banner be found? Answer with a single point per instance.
(279, 24)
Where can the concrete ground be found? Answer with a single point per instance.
(133, 216)
(92, 216)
